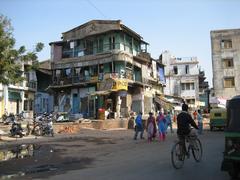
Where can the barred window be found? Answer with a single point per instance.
(229, 82)
(228, 63)
(226, 44)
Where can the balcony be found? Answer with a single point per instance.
(71, 80)
(78, 79)
(32, 85)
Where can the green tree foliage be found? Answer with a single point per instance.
(11, 59)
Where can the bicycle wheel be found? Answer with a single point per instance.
(197, 150)
(177, 156)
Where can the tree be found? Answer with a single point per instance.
(11, 59)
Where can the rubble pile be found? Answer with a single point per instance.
(69, 130)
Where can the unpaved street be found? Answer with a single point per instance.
(95, 154)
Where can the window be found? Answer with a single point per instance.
(25, 105)
(99, 45)
(228, 63)
(111, 42)
(226, 44)
(229, 82)
(175, 69)
(187, 69)
(101, 68)
(30, 104)
(192, 86)
(187, 86)
(89, 47)
(183, 86)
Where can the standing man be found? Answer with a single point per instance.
(139, 126)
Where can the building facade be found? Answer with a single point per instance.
(104, 65)
(182, 78)
(226, 62)
(43, 99)
(19, 97)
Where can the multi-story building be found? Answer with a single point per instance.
(19, 97)
(226, 62)
(104, 64)
(182, 77)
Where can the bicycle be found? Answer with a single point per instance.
(178, 153)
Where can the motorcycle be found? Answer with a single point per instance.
(43, 125)
(16, 129)
(47, 128)
(9, 119)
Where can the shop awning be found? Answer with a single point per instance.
(14, 95)
(95, 93)
(163, 102)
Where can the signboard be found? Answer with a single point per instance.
(120, 84)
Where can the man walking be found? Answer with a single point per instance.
(139, 126)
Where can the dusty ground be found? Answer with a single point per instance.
(106, 154)
(34, 157)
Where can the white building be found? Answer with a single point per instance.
(19, 97)
(182, 77)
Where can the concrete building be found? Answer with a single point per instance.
(226, 62)
(103, 64)
(182, 78)
(19, 97)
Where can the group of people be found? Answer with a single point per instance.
(160, 124)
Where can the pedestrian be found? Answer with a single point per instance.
(151, 127)
(161, 126)
(195, 115)
(200, 122)
(139, 126)
(169, 121)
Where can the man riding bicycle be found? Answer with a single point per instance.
(184, 123)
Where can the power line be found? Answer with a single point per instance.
(96, 8)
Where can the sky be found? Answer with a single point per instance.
(180, 26)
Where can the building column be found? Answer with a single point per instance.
(118, 107)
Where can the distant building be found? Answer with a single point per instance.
(19, 97)
(226, 62)
(182, 78)
(103, 64)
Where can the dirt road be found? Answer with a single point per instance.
(101, 154)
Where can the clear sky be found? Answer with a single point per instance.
(180, 26)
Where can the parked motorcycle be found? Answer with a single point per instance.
(43, 125)
(47, 128)
(16, 129)
(9, 119)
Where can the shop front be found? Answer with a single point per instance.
(111, 98)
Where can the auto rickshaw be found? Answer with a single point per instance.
(231, 155)
(218, 118)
